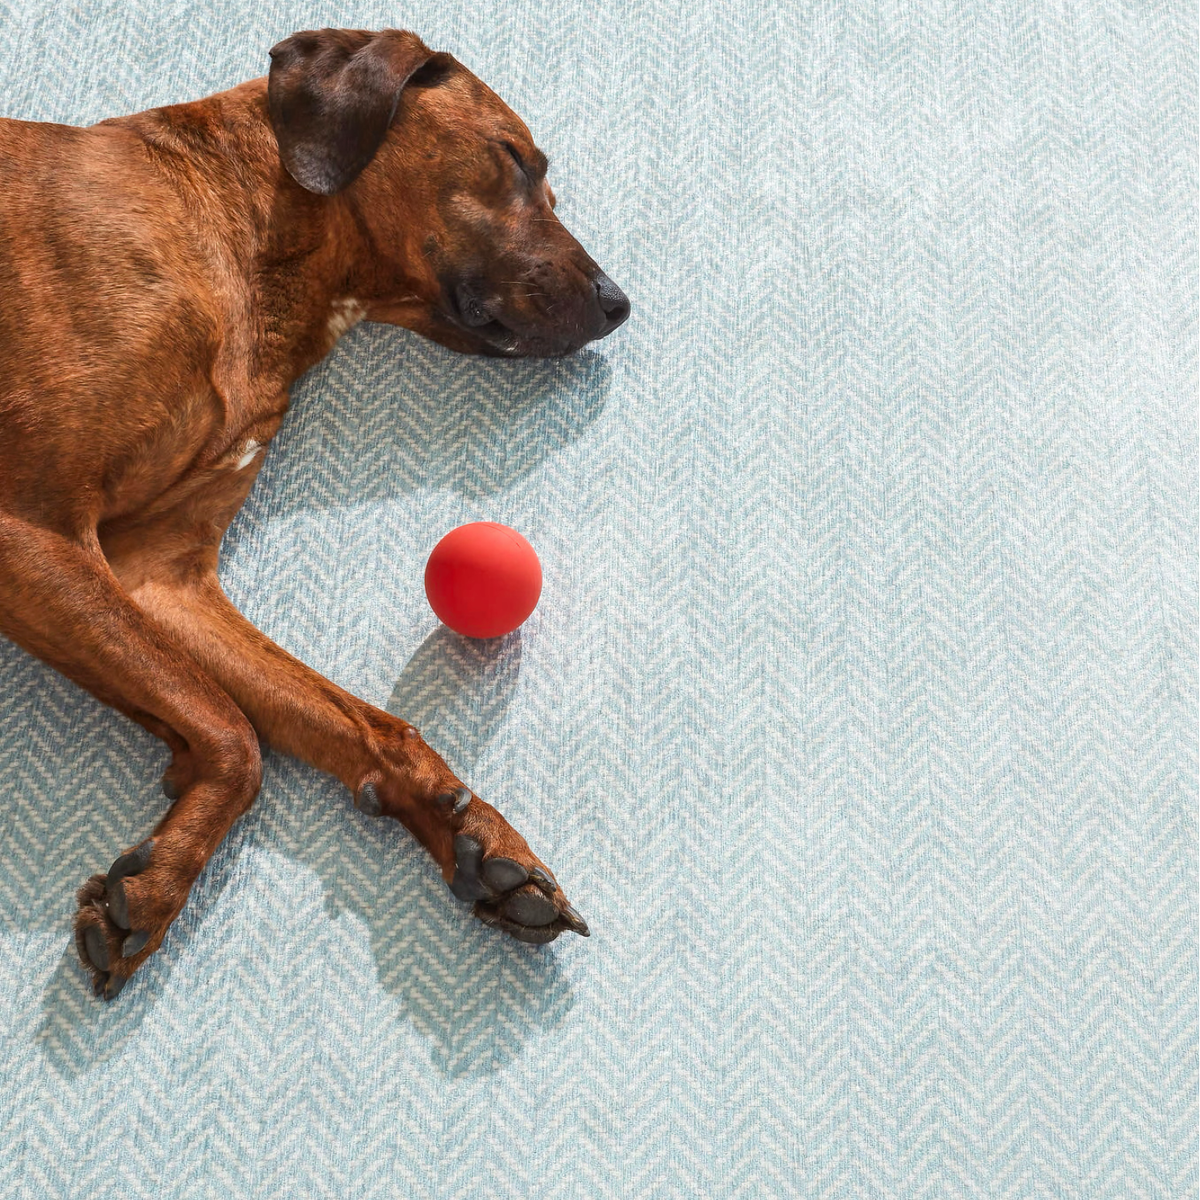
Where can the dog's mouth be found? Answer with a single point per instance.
(522, 325)
(497, 336)
(474, 316)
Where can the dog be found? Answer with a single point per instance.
(166, 277)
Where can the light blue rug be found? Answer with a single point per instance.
(859, 713)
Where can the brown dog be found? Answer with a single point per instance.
(165, 278)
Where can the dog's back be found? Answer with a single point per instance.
(93, 289)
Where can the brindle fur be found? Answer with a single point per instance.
(165, 280)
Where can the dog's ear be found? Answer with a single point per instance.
(332, 94)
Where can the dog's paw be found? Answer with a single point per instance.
(511, 888)
(119, 925)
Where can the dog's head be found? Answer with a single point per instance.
(445, 186)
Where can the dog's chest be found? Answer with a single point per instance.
(200, 450)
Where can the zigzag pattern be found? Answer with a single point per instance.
(858, 714)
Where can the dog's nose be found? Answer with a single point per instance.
(614, 304)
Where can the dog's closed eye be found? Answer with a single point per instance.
(534, 172)
(515, 155)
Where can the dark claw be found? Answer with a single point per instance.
(118, 904)
(543, 881)
(531, 908)
(170, 789)
(112, 989)
(503, 874)
(131, 863)
(468, 858)
(572, 920)
(134, 943)
(367, 801)
(456, 801)
(97, 947)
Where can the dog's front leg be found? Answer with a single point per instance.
(384, 761)
(59, 599)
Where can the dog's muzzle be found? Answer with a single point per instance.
(553, 324)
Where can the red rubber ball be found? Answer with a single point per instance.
(483, 579)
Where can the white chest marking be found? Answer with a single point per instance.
(249, 450)
(347, 313)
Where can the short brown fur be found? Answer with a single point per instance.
(165, 281)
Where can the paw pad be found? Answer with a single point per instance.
(509, 896)
(102, 928)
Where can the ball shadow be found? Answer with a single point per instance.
(457, 690)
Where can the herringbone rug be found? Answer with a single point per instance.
(858, 715)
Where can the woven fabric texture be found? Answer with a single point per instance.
(858, 715)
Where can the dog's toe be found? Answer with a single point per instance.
(543, 881)
(135, 943)
(118, 905)
(574, 922)
(531, 907)
(457, 801)
(504, 874)
(132, 862)
(467, 883)
(535, 935)
(96, 947)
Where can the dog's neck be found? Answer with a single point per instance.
(304, 265)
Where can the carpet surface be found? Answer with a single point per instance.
(857, 717)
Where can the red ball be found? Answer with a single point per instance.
(483, 579)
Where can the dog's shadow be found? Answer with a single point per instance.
(389, 413)
(476, 996)
(473, 995)
(386, 414)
